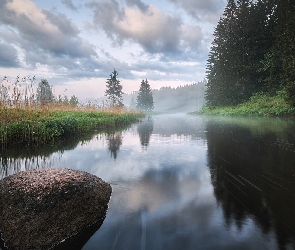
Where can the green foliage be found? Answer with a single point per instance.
(144, 100)
(260, 104)
(114, 91)
(253, 51)
(33, 128)
(74, 101)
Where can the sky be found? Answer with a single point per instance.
(76, 44)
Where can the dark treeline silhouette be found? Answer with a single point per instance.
(185, 98)
(253, 51)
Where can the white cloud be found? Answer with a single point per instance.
(155, 31)
(141, 39)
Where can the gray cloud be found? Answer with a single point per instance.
(139, 4)
(106, 15)
(154, 30)
(69, 4)
(8, 56)
(45, 38)
(209, 10)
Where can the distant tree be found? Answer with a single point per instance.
(44, 93)
(4, 95)
(144, 100)
(74, 101)
(114, 91)
(132, 103)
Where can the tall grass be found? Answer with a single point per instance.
(23, 120)
(260, 104)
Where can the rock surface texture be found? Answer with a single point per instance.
(51, 208)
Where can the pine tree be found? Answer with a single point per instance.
(144, 100)
(236, 66)
(285, 45)
(114, 91)
(263, 21)
(220, 65)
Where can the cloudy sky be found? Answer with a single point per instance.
(76, 44)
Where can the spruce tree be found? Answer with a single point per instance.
(144, 100)
(285, 46)
(263, 63)
(114, 91)
(236, 65)
(221, 63)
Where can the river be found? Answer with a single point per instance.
(185, 182)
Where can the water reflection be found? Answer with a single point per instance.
(145, 130)
(252, 172)
(28, 157)
(184, 182)
(114, 142)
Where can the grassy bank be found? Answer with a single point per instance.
(45, 125)
(260, 104)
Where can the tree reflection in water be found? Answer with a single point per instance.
(114, 142)
(28, 157)
(145, 129)
(253, 178)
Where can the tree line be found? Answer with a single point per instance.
(185, 98)
(253, 51)
(22, 93)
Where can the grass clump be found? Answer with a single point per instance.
(41, 126)
(260, 104)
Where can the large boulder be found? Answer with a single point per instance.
(51, 208)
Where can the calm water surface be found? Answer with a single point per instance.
(186, 182)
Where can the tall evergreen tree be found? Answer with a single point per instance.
(114, 91)
(263, 23)
(144, 100)
(285, 45)
(220, 71)
(238, 63)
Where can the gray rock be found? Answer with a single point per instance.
(51, 208)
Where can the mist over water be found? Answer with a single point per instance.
(188, 182)
(188, 98)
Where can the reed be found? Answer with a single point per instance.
(24, 120)
(46, 125)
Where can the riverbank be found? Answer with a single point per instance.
(260, 104)
(40, 126)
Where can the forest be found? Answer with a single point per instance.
(253, 52)
(185, 98)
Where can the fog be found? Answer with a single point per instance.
(187, 98)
